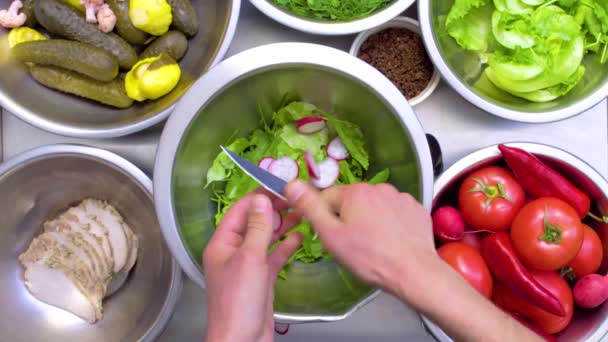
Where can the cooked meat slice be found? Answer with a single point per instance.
(81, 249)
(78, 214)
(55, 287)
(74, 226)
(134, 249)
(106, 215)
(46, 251)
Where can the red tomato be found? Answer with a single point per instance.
(468, 262)
(553, 282)
(589, 257)
(547, 233)
(490, 198)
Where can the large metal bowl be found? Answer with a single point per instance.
(38, 184)
(591, 325)
(226, 100)
(326, 27)
(71, 116)
(462, 70)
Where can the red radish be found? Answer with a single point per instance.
(337, 150)
(329, 170)
(448, 224)
(591, 291)
(265, 163)
(277, 221)
(311, 165)
(285, 168)
(281, 328)
(310, 124)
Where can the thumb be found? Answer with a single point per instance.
(309, 203)
(259, 224)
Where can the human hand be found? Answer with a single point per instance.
(241, 274)
(381, 235)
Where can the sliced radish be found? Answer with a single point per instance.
(265, 162)
(310, 124)
(329, 170)
(277, 221)
(311, 165)
(337, 150)
(281, 328)
(285, 168)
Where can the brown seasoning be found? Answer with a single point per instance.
(400, 55)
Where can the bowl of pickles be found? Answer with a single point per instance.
(103, 69)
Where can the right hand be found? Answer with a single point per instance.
(381, 235)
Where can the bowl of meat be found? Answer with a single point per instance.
(83, 257)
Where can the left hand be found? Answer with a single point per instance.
(241, 274)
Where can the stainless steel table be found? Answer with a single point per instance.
(459, 127)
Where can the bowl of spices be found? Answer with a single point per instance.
(397, 50)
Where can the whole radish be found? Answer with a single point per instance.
(448, 224)
(591, 291)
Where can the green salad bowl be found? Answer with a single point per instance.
(463, 71)
(226, 100)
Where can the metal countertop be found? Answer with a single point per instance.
(460, 128)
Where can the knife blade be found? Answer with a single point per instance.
(266, 179)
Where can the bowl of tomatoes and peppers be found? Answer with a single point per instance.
(526, 225)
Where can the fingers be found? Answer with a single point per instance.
(235, 219)
(283, 252)
(278, 203)
(310, 203)
(289, 221)
(259, 224)
(334, 197)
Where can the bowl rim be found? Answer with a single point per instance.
(331, 28)
(112, 131)
(409, 24)
(243, 65)
(43, 152)
(576, 108)
(464, 164)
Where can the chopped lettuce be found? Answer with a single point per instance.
(280, 138)
(468, 22)
(537, 46)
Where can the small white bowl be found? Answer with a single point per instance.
(331, 28)
(409, 24)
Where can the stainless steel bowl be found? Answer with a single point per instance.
(325, 27)
(71, 116)
(589, 325)
(39, 184)
(462, 70)
(227, 99)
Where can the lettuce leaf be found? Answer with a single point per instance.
(468, 22)
(512, 30)
(552, 93)
(280, 138)
(222, 166)
(380, 177)
(353, 140)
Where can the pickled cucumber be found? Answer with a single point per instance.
(63, 20)
(83, 58)
(109, 93)
(173, 43)
(184, 17)
(28, 10)
(124, 26)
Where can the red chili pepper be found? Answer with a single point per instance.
(502, 261)
(539, 180)
(533, 327)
